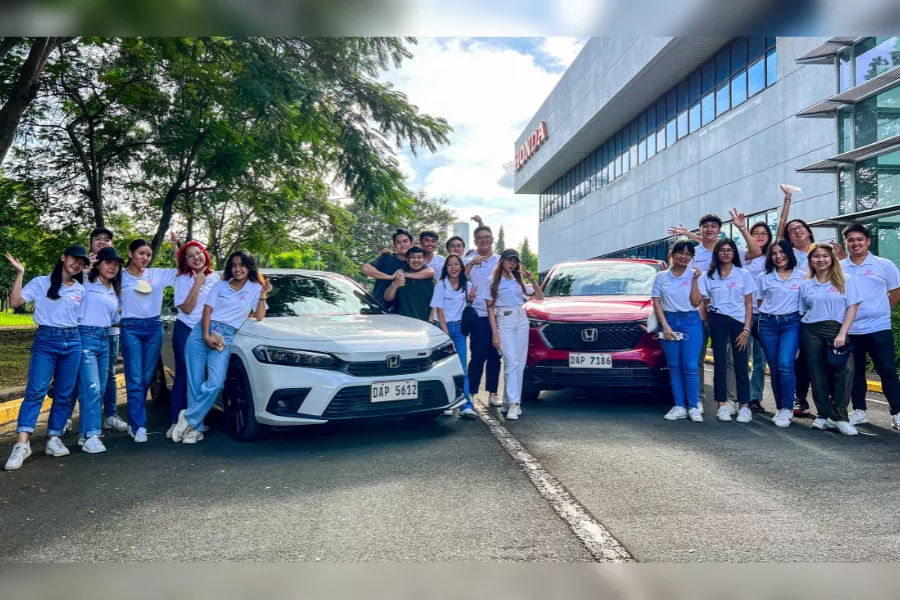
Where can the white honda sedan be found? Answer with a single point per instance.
(327, 351)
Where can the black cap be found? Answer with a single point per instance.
(509, 253)
(100, 230)
(77, 251)
(109, 253)
(838, 357)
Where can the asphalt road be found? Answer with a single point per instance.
(390, 491)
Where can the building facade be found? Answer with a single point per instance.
(644, 133)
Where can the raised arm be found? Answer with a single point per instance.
(15, 294)
(426, 273)
(682, 230)
(785, 212)
(740, 221)
(538, 292)
(696, 296)
(190, 302)
(399, 281)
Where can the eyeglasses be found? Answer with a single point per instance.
(794, 230)
(726, 251)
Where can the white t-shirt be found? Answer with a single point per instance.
(54, 313)
(437, 264)
(674, 292)
(702, 258)
(136, 305)
(452, 301)
(802, 259)
(230, 306)
(875, 277)
(779, 297)
(726, 296)
(183, 286)
(824, 302)
(509, 292)
(100, 306)
(480, 276)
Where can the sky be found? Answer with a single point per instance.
(487, 89)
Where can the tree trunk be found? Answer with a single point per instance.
(166, 217)
(23, 91)
(7, 44)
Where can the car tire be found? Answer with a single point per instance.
(530, 392)
(425, 417)
(159, 390)
(237, 404)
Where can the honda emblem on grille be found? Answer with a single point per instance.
(393, 361)
(589, 334)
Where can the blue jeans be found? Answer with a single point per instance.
(780, 337)
(758, 374)
(682, 357)
(459, 342)
(55, 355)
(141, 343)
(92, 377)
(206, 370)
(109, 394)
(178, 397)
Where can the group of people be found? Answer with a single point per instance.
(416, 281)
(812, 311)
(93, 303)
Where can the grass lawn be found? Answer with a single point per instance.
(15, 352)
(9, 319)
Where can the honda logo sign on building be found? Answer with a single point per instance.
(531, 145)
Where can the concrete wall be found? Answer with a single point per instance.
(738, 160)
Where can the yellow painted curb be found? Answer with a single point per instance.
(873, 386)
(9, 411)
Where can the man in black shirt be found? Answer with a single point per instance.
(384, 268)
(413, 295)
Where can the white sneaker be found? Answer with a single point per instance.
(783, 418)
(140, 435)
(114, 423)
(181, 427)
(192, 436)
(732, 407)
(846, 428)
(93, 445)
(895, 421)
(55, 447)
(446, 413)
(700, 407)
(830, 424)
(677, 412)
(696, 415)
(468, 413)
(819, 424)
(745, 415)
(722, 414)
(19, 453)
(513, 413)
(858, 417)
(494, 400)
(68, 426)
(80, 440)
(172, 428)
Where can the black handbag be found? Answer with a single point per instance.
(469, 319)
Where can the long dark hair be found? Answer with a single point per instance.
(115, 281)
(463, 287)
(787, 236)
(769, 240)
(138, 243)
(248, 261)
(498, 273)
(714, 265)
(788, 251)
(56, 280)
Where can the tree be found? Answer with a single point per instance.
(527, 257)
(500, 244)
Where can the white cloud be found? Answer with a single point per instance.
(487, 92)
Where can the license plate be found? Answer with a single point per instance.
(590, 360)
(390, 391)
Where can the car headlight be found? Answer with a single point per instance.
(535, 323)
(293, 358)
(445, 350)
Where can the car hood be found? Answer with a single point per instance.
(353, 333)
(590, 308)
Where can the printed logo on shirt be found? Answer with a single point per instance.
(833, 290)
(795, 286)
(734, 284)
(243, 296)
(75, 297)
(869, 271)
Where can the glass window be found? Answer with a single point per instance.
(877, 118)
(634, 133)
(620, 166)
(723, 65)
(722, 99)
(738, 54)
(642, 126)
(771, 70)
(878, 182)
(708, 108)
(661, 139)
(642, 151)
(671, 132)
(604, 154)
(756, 47)
(845, 190)
(845, 66)
(739, 88)
(708, 76)
(876, 55)
(682, 95)
(661, 111)
(651, 120)
(845, 130)
(695, 117)
(618, 143)
(670, 104)
(694, 87)
(633, 153)
(770, 42)
(651, 145)
(604, 180)
(682, 125)
(757, 78)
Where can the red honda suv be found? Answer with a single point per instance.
(591, 329)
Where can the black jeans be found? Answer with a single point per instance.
(816, 340)
(880, 346)
(482, 342)
(802, 379)
(724, 331)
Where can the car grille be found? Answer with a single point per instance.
(379, 368)
(611, 337)
(630, 373)
(355, 402)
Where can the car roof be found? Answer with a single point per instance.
(307, 272)
(644, 261)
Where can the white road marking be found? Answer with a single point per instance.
(595, 537)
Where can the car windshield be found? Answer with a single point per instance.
(602, 279)
(302, 295)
